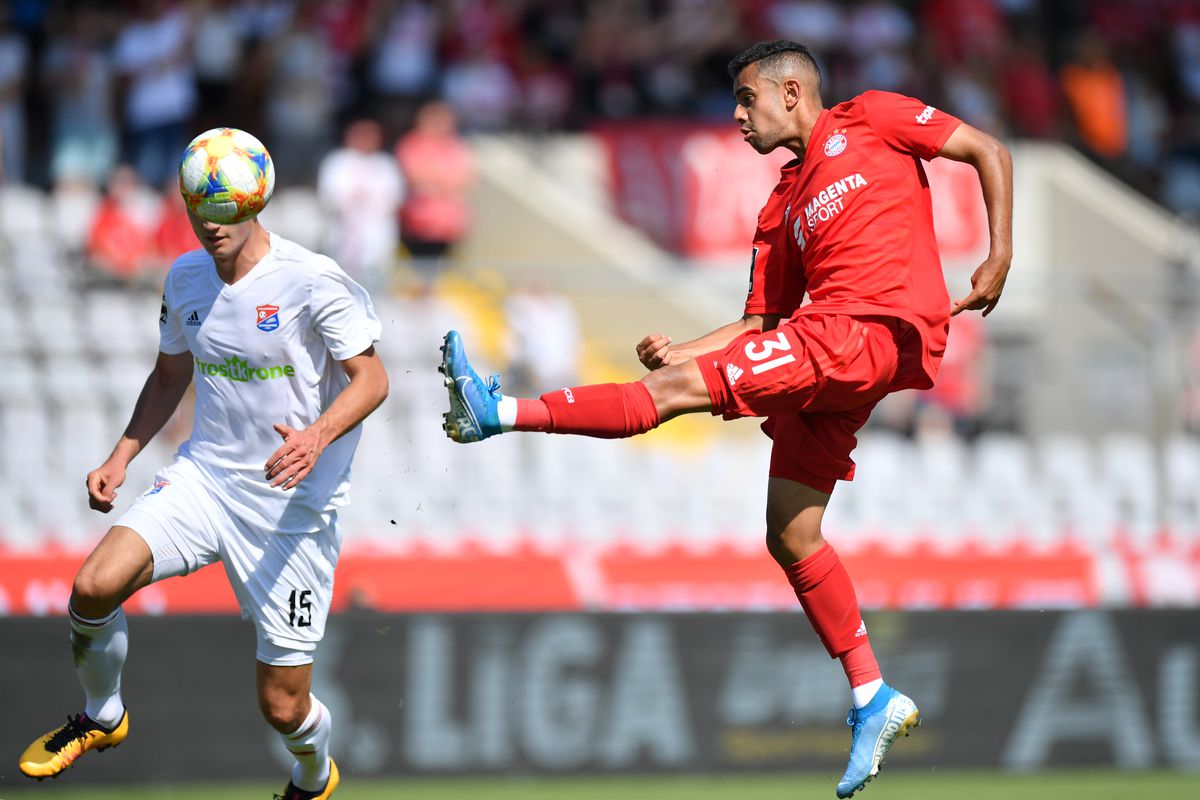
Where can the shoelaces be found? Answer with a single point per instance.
(74, 729)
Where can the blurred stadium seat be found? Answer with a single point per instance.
(74, 358)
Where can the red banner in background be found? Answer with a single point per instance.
(676, 577)
(696, 189)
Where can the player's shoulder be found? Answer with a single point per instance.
(304, 267)
(191, 261)
(863, 103)
(875, 102)
(299, 258)
(188, 268)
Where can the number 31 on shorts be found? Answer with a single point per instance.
(757, 351)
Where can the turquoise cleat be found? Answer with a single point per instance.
(473, 401)
(876, 727)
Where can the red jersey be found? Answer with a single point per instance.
(852, 223)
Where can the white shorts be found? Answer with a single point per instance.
(283, 582)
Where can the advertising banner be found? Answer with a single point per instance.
(616, 693)
(614, 578)
(696, 190)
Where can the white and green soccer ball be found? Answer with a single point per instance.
(226, 176)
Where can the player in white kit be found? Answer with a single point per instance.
(281, 343)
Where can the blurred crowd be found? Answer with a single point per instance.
(87, 85)
(364, 100)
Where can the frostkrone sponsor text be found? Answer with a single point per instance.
(236, 369)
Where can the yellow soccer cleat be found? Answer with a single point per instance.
(58, 749)
(292, 792)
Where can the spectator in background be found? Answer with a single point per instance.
(299, 101)
(1095, 94)
(14, 57)
(1185, 47)
(120, 246)
(821, 23)
(77, 75)
(440, 172)
(971, 89)
(405, 61)
(482, 90)
(963, 29)
(1181, 185)
(547, 92)
(154, 55)
(219, 49)
(345, 26)
(1029, 94)
(173, 234)
(543, 339)
(881, 33)
(361, 187)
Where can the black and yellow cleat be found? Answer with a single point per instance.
(292, 792)
(58, 749)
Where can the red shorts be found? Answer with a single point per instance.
(816, 379)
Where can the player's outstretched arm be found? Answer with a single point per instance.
(657, 350)
(992, 161)
(159, 398)
(298, 454)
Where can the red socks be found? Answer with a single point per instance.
(827, 596)
(605, 411)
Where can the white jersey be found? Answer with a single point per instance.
(266, 350)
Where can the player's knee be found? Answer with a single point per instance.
(283, 711)
(95, 594)
(791, 543)
(677, 389)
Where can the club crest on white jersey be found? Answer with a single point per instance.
(268, 318)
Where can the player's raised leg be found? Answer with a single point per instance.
(303, 723)
(880, 714)
(119, 566)
(478, 410)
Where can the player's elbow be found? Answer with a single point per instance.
(377, 385)
(1000, 151)
(760, 322)
(988, 149)
(385, 387)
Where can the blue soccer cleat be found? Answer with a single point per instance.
(473, 401)
(876, 727)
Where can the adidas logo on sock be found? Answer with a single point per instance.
(193, 319)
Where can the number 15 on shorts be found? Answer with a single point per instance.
(300, 608)
(757, 351)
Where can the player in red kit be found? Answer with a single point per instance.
(850, 224)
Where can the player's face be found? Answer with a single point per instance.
(220, 241)
(760, 111)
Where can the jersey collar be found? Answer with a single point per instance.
(818, 131)
(266, 265)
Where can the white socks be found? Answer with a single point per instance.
(100, 646)
(864, 693)
(506, 410)
(310, 745)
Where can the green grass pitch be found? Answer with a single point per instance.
(896, 785)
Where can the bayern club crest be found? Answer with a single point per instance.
(268, 318)
(835, 145)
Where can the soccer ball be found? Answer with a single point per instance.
(226, 176)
